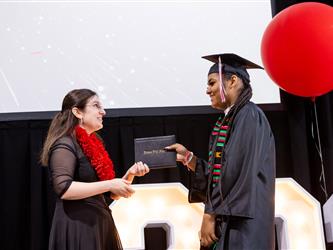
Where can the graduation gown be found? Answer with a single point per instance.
(245, 199)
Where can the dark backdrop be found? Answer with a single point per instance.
(26, 198)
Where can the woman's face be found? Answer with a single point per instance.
(92, 115)
(213, 90)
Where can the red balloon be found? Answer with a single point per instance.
(297, 49)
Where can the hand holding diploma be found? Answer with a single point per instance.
(186, 157)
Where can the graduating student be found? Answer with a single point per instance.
(237, 183)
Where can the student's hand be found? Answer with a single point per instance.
(138, 169)
(207, 233)
(179, 149)
(186, 157)
(120, 188)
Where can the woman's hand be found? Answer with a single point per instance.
(184, 156)
(120, 188)
(207, 233)
(114, 197)
(138, 169)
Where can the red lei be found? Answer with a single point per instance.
(94, 150)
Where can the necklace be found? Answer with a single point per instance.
(94, 150)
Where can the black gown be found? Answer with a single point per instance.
(83, 224)
(245, 200)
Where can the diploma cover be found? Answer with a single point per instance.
(151, 151)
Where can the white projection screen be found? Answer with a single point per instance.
(135, 54)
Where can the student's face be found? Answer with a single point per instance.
(93, 115)
(213, 91)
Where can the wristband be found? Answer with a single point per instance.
(188, 158)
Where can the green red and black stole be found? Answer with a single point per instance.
(218, 140)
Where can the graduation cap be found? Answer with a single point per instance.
(231, 63)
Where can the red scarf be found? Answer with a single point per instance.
(94, 150)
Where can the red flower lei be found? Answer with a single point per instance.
(94, 150)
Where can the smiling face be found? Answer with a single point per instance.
(213, 90)
(232, 86)
(92, 115)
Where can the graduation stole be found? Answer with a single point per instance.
(218, 140)
(94, 150)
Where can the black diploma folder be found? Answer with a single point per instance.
(151, 151)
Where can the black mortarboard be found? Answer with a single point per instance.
(231, 63)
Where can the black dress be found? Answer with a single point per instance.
(244, 205)
(83, 224)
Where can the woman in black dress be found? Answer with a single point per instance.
(83, 176)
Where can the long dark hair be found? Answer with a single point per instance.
(243, 98)
(64, 122)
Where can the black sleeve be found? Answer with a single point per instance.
(198, 182)
(62, 165)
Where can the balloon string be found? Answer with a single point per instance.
(322, 179)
